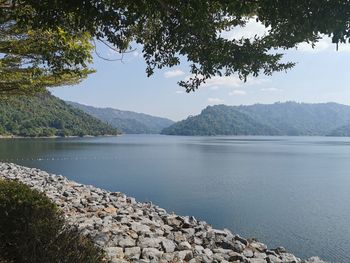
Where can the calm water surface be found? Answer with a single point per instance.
(289, 191)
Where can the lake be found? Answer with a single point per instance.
(285, 191)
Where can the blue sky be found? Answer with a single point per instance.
(321, 75)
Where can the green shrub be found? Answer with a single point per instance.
(32, 229)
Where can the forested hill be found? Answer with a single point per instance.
(219, 120)
(290, 118)
(46, 115)
(341, 131)
(126, 121)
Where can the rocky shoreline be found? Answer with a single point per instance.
(131, 231)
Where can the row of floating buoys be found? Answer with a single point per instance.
(70, 158)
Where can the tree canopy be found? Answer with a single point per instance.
(169, 30)
(34, 59)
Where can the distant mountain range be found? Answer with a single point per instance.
(46, 115)
(126, 121)
(290, 118)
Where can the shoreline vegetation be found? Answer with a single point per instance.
(131, 231)
(33, 229)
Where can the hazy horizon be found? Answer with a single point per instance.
(298, 102)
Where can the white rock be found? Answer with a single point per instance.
(168, 245)
(132, 252)
(151, 253)
(184, 246)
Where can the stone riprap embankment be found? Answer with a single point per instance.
(131, 231)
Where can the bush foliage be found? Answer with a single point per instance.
(32, 229)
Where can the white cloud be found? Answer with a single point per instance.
(173, 73)
(324, 44)
(257, 81)
(229, 81)
(237, 92)
(215, 101)
(250, 30)
(232, 82)
(179, 92)
(344, 47)
(270, 89)
(321, 45)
